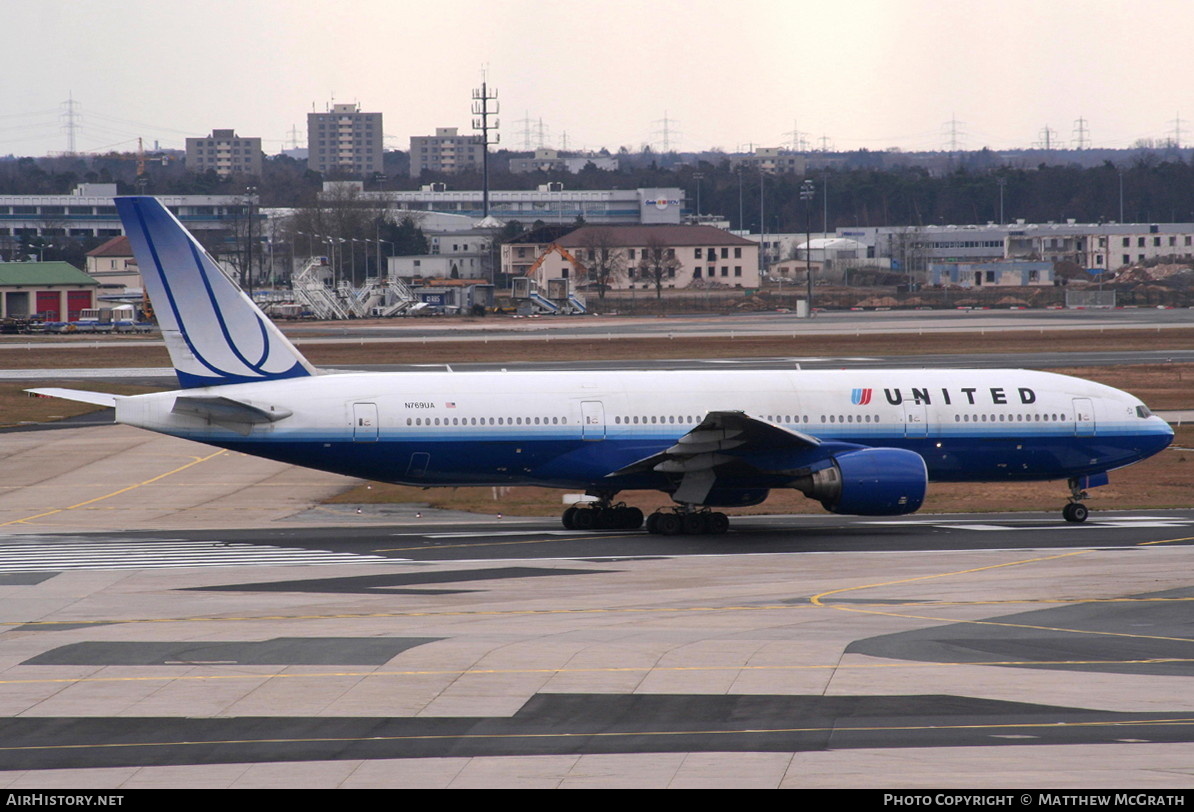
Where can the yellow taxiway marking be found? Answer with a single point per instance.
(495, 542)
(1164, 541)
(607, 734)
(657, 610)
(819, 599)
(194, 461)
(456, 673)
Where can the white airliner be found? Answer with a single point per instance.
(860, 442)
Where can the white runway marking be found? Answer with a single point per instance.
(1038, 524)
(56, 554)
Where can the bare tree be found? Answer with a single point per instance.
(603, 260)
(341, 223)
(658, 265)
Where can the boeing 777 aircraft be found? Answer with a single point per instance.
(859, 442)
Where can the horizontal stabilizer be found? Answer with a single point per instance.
(227, 410)
(78, 395)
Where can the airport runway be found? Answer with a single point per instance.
(1045, 360)
(176, 616)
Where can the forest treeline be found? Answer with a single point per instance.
(1147, 187)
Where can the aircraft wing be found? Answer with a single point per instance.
(723, 440)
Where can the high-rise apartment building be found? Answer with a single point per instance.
(226, 153)
(446, 151)
(344, 139)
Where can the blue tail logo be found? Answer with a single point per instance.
(214, 332)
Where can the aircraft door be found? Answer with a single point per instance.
(592, 420)
(916, 420)
(364, 423)
(1084, 417)
(417, 468)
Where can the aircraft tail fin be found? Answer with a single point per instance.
(213, 331)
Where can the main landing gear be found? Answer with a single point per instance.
(1075, 511)
(603, 516)
(688, 522)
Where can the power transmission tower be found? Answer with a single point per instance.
(485, 107)
(953, 135)
(1176, 131)
(1081, 134)
(1045, 138)
(667, 132)
(798, 139)
(525, 123)
(70, 115)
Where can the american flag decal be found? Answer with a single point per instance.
(860, 397)
(451, 404)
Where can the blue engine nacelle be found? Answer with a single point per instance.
(870, 482)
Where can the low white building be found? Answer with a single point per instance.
(113, 266)
(546, 159)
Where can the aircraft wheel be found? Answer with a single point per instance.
(630, 518)
(584, 519)
(693, 524)
(653, 523)
(668, 524)
(1075, 512)
(717, 523)
(606, 518)
(569, 518)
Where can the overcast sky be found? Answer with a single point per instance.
(858, 73)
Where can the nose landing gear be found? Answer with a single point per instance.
(1075, 511)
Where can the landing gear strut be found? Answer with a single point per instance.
(684, 520)
(603, 515)
(1075, 511)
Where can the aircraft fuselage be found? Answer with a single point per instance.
(571, 429)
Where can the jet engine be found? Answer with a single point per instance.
(869, 482)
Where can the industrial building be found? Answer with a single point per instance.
(50, 291)
(89, 211)
(549, 203)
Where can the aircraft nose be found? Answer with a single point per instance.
(1160, 434)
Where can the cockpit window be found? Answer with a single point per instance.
(1143, 411)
